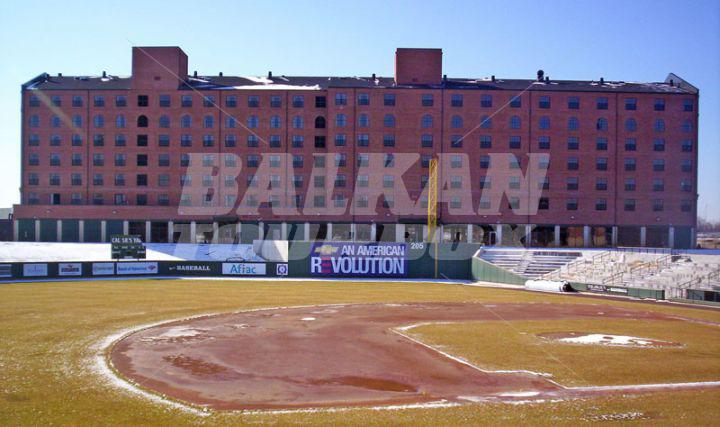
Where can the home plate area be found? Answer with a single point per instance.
(348, 355)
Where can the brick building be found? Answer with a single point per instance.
(174, 156)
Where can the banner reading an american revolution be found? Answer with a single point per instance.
(359, 259)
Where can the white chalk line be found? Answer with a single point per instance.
(104, 368)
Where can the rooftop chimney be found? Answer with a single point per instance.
(373, 76)
(220, 74)
(104, 74)
(195, 73)
(59, 74)
(540, 75)
(158, 67)
(418, 66)
(492, 78)
(602, 80)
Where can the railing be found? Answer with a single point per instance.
(571, 267)
(713, 275)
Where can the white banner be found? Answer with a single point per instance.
(137, 268)
(69, 269)
(103, 268)
(34, 270)
(243, 269)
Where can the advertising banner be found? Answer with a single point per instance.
(191, 268)
(69, 269)
(103, 268)
(5, 270)
(243, 269)
(376, 259)
(137, 267)
(35, 270)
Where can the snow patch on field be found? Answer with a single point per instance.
(613, 340)
(308, 319)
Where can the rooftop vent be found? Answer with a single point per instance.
(672, 82)
(104, 74)
(373, 76)
(59, 74)
(540, 75)
(602, 80)
(269, 74)
(492, 78)
(220, 74)
(195, 73)
(444, 77)
(547, 79)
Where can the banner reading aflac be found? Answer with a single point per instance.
(359, 259)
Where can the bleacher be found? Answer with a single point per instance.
(529, 263)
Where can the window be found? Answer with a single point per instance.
(426, 121)
(658, 185)
(77, 101)
(207, 181)
(456, 141)
(485, 182)
(544, 123)
(142, 101)
(486, 122)
(659, 145)
(186, 140)
(388, 140)
(427, 100)
(184, 160)
(687, 126)
(685, 186)
(119, 180)
(456, 100)
(514, 163)
(141, 180)
(486, 101)
(120, 159)
(164, 100)
(319, 141)
(686, 165)
(544, 143)
(77, 121)
(485, 141)
(363, 120)
(298, 122)
(389, 121)
(573, 143)
(319, 122)
(363, 99)
(544, 184)
(33, 101)
(629, 205)
(253, 122)
(319, 161)
(33, 179)
(99, 121)
(485, 162)
(630, 104)
(363, 140)
(659, 104)
(388, 181)
(630, 125)
(34, 140)
(573, 164)
(275, 122)
(571, 184)
(630, 144)
(601, 144)
(571, 204)
(686, 205)
(455, 161)
(186, 101)
(425, 161)
(34, 121)
(54, 179)
(630, 184)
(298, 101)
(77, 159)
(630, 164)
(55, 140)
(253, 141)
(544, 203)
(601, 205)
(33, 159)
(98, 101)
(231, 101)
(340, 181)
(98, 140)
(658, 205)
(163, 200)
(275, 101)
(544, 102)
(120, 101)
(164, 160)
(514, 142)
(274, 141)
(141, 160)
(658, 165)
(55, 122)
(389, 99)
(516, 102)
(602, 103)
(208, 101)
(208, 122)
(253, 101)
(601, 184)
(389, 160)
(142, 140)
(340, 120)
(601, 163)
(573, 103)
(298, 141)
(98, 159)
(456, 122)
(687, 146)
(253, 160)
(602, 124)
(573, 123)
(515, 122)
(659, 125)
(320, 102)
(514, 202)
(142, 121)
(688, 105)
(230, 160)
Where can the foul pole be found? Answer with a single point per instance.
(432, 210)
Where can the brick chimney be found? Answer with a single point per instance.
(158, 67)
(418, 66)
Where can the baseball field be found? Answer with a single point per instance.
(188, 352)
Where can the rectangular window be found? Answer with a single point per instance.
(186, 101)
(389, 99)
(142, 101)
(514, 142)
(630, 184)
(572, 183)
(688, 105)
(120, 101)
(456, 100)
(573, 143)
(573, 164)
(516, 102)
(601, 184)
(208, 101)
(544, 102)
(602, 103)
(98, 101)
(544, 143)
(320, 102)
(629, 205)
(164, 100)
(601, 205)
(298, 101)
(630, 104)
(659, 104)
(630, 144)
(363, 99)
(601, 144)
(573, 103)
(630, 165)
(427, 100)
(486, 101)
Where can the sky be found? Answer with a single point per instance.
(618, 40)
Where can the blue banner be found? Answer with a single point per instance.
(359, 259)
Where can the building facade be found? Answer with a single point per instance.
(174, 156)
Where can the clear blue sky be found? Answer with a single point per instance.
(619, 40)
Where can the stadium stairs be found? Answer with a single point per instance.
(529, 263)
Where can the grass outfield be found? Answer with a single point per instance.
(48, 330)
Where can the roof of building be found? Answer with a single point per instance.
(672, 85)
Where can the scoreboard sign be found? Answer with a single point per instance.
(124, 247)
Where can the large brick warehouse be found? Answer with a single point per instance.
(174, 156)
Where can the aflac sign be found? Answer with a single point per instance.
(243, 269)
